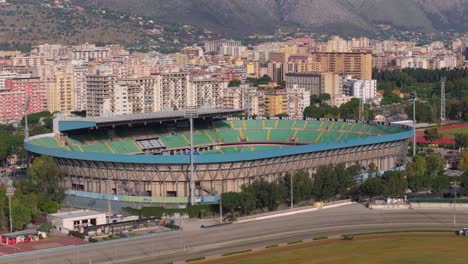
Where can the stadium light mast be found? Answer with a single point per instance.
(414, 96)
(191, 113)
(442, 99)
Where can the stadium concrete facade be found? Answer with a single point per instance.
(146, 156)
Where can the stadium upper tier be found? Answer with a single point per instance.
(212, 137)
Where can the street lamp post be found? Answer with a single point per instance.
(292, 195)
(413, 96)
(10, 192)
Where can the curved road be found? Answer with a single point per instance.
(194, 241)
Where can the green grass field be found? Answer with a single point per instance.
(379, 248)
(451, 132)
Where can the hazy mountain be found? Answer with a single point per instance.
(263, 16)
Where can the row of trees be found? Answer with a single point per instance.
(423, 174)
(329, 182)
(319, 108)
(40, 194)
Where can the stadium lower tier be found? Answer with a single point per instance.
(229, 153)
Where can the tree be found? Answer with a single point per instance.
(344, 179)
(432, 134)
(46, 174)
(324, 97)
(231, 201)
(463, 164)
(440, 184)
(395, 183)
(390, 98)
(247, 201)
(461, 140)
(373, 186)
(325, 183)
(435, 164)
(234, 83)
(302, 186)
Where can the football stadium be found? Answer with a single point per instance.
(146, 157)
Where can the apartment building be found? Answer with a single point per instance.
(14, 94)
(61, 92)
(315, 82)
(99, 88)
(356, 64)
(298, 100)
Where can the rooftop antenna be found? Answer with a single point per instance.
(442, 99)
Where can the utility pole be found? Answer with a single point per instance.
(442, 99)
(414, 96)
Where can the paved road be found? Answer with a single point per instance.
(194, 241)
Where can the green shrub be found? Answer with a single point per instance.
(45, 227)
(92, 240)
(195, 259)
(294, 242)
(320, 238)
(237, 252)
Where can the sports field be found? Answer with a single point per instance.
(381, 248)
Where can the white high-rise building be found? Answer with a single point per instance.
(298, 100)
(365, 89)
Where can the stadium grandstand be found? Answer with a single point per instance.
(146, 156)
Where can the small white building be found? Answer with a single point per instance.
(76, 220)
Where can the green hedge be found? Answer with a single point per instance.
(156, 211)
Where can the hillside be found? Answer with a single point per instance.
(37, 22)
(165, 24)
(337, 16)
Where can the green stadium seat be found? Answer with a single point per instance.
(237, 123)
(285, 123)
(281, 134)
(101, 148)
(299, 124)
(229, 135)
(307, 135)
(270, 123)
(124, 146)
(328, 136)
(222, 124)
(313, 124)
(200, 139)
(174, 141)
(254, 124)
(256, 135)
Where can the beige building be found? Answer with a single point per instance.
(244, 97)
(276, 102)
(61, 92)
(356, 64)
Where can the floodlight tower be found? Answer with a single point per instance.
(191, 113)
(442, 99)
